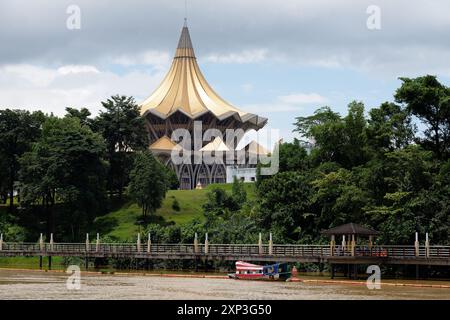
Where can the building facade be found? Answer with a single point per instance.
(185, 109)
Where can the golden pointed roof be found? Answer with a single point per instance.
(186, 90)
(255, 148)
(164, 144)
(216, 145)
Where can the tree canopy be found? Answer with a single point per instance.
(148, 182)
(65, 166)
(123, 129)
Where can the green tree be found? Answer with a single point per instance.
(4, 186)
(65, 166)
(293, 157)
(83, 115)
(337, 198)
(172, 178)
(389, 127)
(176, 205)
(148, 183)
(284, 204)
(18, 130)
(124, 131)
(429, 100)
(306, 126)
(355, 138)
(238, 192)
(218, 207)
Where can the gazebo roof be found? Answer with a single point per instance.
(350, 228)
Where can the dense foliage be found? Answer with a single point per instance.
(148, 182)
(55, 172)
(377, 170)
(387, 168)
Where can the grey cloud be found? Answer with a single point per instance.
(414, 35)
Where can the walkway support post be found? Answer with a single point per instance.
(260, 245)
(97, 244)
(149, 243)
(416, 244)
(1, 241)
(370, 243)
(332, 244)
(51, 242)
(41, 242)
(270, 244)
(196, 243)
(87, 241)
(427, 246)
(206, 244)
(138, 242)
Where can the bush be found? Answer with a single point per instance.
(176, 205)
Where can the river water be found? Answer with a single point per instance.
(15, 284)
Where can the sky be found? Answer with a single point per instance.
(279, 59)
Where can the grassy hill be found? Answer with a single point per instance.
(121, 223)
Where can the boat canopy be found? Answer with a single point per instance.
(241, 266)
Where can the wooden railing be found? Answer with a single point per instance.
(226, 250)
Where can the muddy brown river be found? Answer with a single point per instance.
(16, 284)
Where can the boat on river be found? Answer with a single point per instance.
(249, 271)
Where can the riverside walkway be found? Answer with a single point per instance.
(333, 254)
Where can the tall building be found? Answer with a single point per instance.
(185, 100)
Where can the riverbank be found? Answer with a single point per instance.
(307, 279)
(35, 284)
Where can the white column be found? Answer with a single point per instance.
(416, 244)
(260, 245)
(149, 243)
(97, 244)
(1, 241)
(41, 242)
(332, 245)
(206, 244)
(353, 243)
(138, 242)
(87, 241)
(427, 246)
(196, 243)
(51, 241)
(343, 244)
(270, 244)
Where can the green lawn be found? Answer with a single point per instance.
(121, 223)
(30, 263)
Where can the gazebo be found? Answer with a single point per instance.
(352, 231)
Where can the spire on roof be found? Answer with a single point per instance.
(185, 48)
